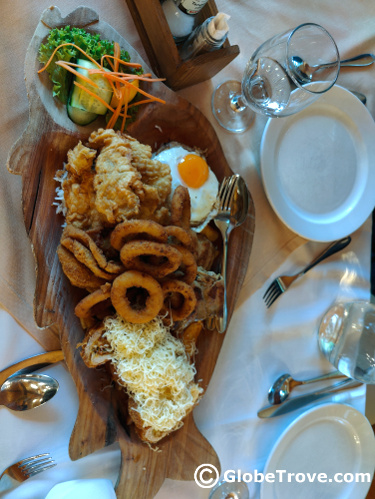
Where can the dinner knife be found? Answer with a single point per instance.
(297, 402)
(31, 364)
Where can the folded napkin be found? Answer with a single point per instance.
(83, 489)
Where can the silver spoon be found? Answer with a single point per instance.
(234, 206)
(305, 72)
(284, 384)
(26, 391)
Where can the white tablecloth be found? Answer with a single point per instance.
(260, 344)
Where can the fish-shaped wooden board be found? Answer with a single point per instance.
(37, 155)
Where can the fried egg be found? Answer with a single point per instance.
(190, 169)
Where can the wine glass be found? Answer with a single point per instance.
(346, 337)
(230, 490)
(284, 75)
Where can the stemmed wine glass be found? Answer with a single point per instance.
(230, 490)
(284, 75)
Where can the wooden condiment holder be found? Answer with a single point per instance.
(162, 50)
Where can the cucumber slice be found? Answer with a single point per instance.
(79, 116)
(81, 99)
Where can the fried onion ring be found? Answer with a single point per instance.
(83, 309)
(188, 265)
(188, 303)
(137, 229)
(138, 285)
(180, 207)
(187, 238)
(156, 259)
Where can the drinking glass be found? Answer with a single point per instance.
(230, 490)
(346, 336)
(285, 74)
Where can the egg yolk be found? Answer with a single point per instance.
(193, 170)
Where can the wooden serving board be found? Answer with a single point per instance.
(36, 156)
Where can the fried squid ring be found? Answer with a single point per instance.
(185, 237)
(189, 300)
(180, 207)
(188, 265)
(137, 229)
(156, 259)
(137, 297)
(82, 244)
(84, 308)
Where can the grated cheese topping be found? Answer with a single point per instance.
(154, 369)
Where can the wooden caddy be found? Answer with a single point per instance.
(162, 50)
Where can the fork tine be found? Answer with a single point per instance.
(277, 292)
(227, 195)
(42, 468)
(269, 290)
(273, 292)
(36, 464)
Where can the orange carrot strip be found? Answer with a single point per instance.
(117, 112)
(94, 95)
(124, 76)
(130, 64)
(140, 90)
(64, 45)
(79, 75)
(138, 103)
(126, 94)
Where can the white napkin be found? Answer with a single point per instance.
(83, 489)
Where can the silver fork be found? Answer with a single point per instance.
(24, 469)
(282, 283)
(225, 194)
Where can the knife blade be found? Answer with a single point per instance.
(297, 402)
(31, 364)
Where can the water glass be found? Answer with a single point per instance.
(346, 337)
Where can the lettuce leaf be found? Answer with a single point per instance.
(91, 43)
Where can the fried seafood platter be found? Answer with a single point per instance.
(97, 249)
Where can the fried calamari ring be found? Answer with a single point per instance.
(189, 299)
(180, 207)
(156, 259)
(137, 297)
(85, 244)
(137, 229)
(78, 274)
(186, 237)
(84, 308)
(84, 255)
(188, 265)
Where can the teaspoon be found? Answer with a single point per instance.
(284, 384)
(26, 391)
(305, 72)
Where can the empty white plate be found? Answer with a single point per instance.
(318, 166)
(334, 440)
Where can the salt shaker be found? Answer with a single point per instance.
(207, 37)
(181, 16)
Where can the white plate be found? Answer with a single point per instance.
(330, 439)
(318, 166)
